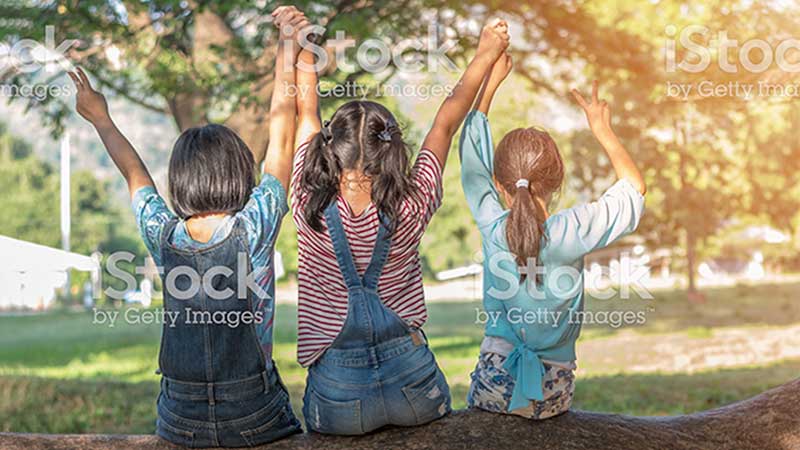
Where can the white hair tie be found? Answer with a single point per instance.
(522, 183)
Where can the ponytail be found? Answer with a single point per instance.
(529, 167)
(387, 162)
(320, 178)
(525, 238)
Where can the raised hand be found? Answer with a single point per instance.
(494, 39)
(290, 22)
(597, 111)
(599, 116)
(90, 104)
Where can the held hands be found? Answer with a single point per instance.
(90, 104)
(500, 70)
(494, 39)
(597, 111)
(290, 22)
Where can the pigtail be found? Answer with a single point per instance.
(525, 226)
(320, 177)
(387, 162)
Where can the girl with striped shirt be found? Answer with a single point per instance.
(361, 209)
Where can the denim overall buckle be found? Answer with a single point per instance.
(418, 338)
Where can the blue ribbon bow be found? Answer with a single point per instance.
(528, 371)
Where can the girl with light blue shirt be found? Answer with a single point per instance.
(533, 260)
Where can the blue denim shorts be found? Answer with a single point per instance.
(351, 392)
(245, 418)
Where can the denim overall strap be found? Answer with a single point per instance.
(340, 246)
(345, 257)
(379, 255)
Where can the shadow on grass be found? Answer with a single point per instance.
(46, 405)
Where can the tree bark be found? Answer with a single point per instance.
(765, 422)
(691, 260)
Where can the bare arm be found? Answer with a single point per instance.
(282, 123)
(599, 116)
(493, 41)
(308, 118)
(92, 106)
(500, 70)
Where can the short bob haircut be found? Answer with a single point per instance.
(211, 170)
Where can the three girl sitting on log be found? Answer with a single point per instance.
(361, 207)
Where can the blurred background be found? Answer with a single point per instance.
(711, 124)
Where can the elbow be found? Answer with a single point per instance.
(642, 187)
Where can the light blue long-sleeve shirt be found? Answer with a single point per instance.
(540, 321)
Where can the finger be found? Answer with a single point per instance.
(75, 80)
(493, 23)
(84, 78)
(595, 88)
(298, 20)
(281, 9)
(284, 16)
(277, 11)
(579, 98)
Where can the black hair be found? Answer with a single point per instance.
(361, 135)
(211, 170)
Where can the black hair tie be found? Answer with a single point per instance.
(388, 128)
(327, 135)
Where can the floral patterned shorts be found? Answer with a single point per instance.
(492, 386)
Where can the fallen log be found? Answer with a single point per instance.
(769, 421)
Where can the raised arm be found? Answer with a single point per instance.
(477, 151)
(493, 41)
(500, 70)
(308, 118)
(92, 106)
(282, 121)
(599, 116)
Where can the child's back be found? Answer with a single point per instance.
(533, 261)
(219, 385)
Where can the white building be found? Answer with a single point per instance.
(30, 273)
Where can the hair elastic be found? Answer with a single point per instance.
(388, 128)
(325, 131)
(522, 183)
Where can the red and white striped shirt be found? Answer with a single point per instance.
(322, 293)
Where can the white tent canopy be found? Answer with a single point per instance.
(22, 256)
(30, 273)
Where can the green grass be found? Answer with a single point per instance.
(60, 373)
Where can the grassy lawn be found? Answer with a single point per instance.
(61, 373)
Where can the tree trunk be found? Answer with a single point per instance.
(691, 257)
(768, 421)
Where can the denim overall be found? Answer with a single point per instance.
(217, 390)
(378, 371)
